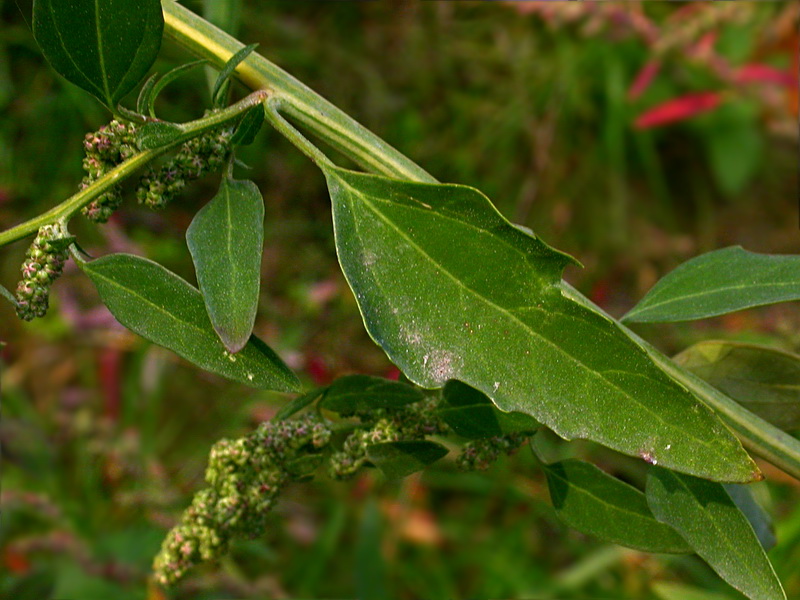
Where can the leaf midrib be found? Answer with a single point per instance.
(652, 306)
(575, 360)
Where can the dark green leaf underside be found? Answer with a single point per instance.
(707, 518)
(400, 459)
(103, 46)
(355, 393)
(594, 502)
(226, 239)
(717, 283)
(451, 290)
(764, 380)
(165, 309)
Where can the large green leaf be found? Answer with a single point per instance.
(719, 282)
(104, 46)
(165, 309)
(451, 290)
(763, 380)
(706, 516)
(594, 502)
(226, 239)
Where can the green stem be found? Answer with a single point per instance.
(70, 206)
(299, 102)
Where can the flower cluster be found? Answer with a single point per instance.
(413, 422)
(245, 477)
(480, 454)
(105, 149)
(43, 264)
(199, 156)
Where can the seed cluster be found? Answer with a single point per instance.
(199, 156)
(478, 455)
(245, 477)
(414, 422)
(105, 149)
(114, 143)
(43, 264)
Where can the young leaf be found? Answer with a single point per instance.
(248, 127)
(717, 283)
(353, 393)
(165, 80)
(226, 238)
(514, 335)
(142, 101)
(105, 47)
(165, 309)
(155, 134)
(707, 518)
(400, 459)
(5, 293)
(218, 93)
(594, 502)
(295, 405)
(764, 380)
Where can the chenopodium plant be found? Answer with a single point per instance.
(496, 349)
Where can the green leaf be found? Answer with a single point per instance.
(165, 80)
(707, 518)
(760, 521)
(451, 290)
(143, 100)
(165, 309)
(354, 393)
(472, 415)
(594, 502)
(5, 293)
(248, 127)
(400, 459)
(764, 380)
(218, 93)
(226, 239)
(676, 591)
(717, 283)
(295, 405)
(105, 47)
(155, 134)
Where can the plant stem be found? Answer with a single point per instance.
(70, 206)
(297, 101)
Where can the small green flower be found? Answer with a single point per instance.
(43, 264)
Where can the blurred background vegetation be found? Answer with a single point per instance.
(632, 135)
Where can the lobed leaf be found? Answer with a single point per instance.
(451, 290)
(706, 516)
(163, 308)
(764, 380)
(226, 239)
(105, 47)
(594, 502)
(717, 283)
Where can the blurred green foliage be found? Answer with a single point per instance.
(104, 438)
